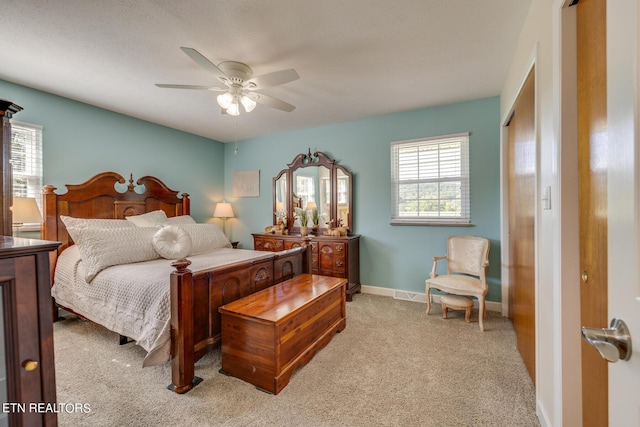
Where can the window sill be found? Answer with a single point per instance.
(27, 227)
(431, 223)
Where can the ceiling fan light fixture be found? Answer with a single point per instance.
(240, 84)
(225, 100)
(248, 103)
(233, 109)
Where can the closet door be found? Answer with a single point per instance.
(522, 189)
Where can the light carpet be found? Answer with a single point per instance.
(391, 366)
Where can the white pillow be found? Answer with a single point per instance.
(205, 237)
(149, 219)
(172, 242)
(103, 247)
(182, 219)
(70, 221)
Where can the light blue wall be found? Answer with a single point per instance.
(80, 140)
(396, 257)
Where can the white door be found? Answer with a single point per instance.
(623, 79)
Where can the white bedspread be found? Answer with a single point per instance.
(132, 299)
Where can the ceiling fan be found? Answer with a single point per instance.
(239, 85)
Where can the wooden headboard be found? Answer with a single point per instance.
(99, 198)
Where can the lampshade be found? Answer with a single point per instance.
(25, 210)
(233, 109)
(279, 206)
(248, 103)
(223, 210)
(225, 100)
(311, 205)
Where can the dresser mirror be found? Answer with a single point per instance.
(314, 182)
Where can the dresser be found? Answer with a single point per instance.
(26, 348)
(331, 255)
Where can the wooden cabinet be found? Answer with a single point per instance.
(7, 110)
(26, 347)
(331, 255)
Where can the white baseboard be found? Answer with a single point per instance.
(419, 297)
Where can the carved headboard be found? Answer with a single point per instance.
(99, 198)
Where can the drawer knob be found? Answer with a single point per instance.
(339, 248)
(339, 263)
(29, 365)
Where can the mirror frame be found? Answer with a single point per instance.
(314, 160)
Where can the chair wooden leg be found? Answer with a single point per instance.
(481, 314)
(467, 315)
(445, 311)
(428, 300)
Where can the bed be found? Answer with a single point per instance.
(183, 322)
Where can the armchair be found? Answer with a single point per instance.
(467, 259)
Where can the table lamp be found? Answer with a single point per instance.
(25, 211)
(223, 210)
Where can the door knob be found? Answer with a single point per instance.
(29, 365)
(613, 343)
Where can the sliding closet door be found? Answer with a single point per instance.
(522, 188)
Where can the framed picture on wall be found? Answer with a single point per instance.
(246, 183)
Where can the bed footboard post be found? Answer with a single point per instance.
(182, 347)
(307, 256)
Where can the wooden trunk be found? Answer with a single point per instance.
(268, 335)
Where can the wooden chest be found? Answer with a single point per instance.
(266, 336)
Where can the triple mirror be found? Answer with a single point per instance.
(314, 183)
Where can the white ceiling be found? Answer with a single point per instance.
(355, 58)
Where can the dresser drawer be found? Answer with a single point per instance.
(267, 244)
(338, 248)
(339, 264)
(290, 244)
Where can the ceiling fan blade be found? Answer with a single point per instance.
(273, 102)
(276, 78)
(204, 62)
(169, 86)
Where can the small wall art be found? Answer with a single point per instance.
(246, 183)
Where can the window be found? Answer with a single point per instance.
(26, 159)
(305, 186)
(430, 181)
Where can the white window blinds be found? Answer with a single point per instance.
(430, 181)
(26, 159)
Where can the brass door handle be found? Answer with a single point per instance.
(29, 365)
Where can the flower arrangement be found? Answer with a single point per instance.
(302, 216)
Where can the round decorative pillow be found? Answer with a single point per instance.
(172, 242)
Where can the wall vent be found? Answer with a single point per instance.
(410, 296)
